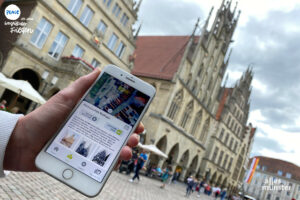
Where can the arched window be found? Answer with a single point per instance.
(243, 150)
(221, 134)
(231, 144)
(188, 81)
(200, 70)
(194, 86)
(197, 123)
(214, 156)
(234, 129)
(226, 139)
(186, 115)
(204, 131)
(225, 161)
(210, 83)
(234, 109)
(175, 105)
(235, 146)
(220, 157)
(228, 120)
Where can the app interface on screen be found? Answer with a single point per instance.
(94, 134)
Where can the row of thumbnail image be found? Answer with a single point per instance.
(85, 147)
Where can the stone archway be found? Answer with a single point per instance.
(219, 181)
(162, 145)
(224, 183)
(21, 102)
(172, 156)
(193, 167)
(213, 178)
(183, 165)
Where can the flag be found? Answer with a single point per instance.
(251, 170)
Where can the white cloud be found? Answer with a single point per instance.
(256, 116)
(254, 8)
(287, 140)
(259, 85)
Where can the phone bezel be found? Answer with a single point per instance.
(80, 181)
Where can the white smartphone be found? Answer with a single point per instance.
(86, 148)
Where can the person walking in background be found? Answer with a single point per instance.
(216, 190)
(190, 185)
(195, 185)
(176, 175)
(165, 176)
(3, 105)
(201, 187)
(140, 163)
(223, 194)
(207, 189)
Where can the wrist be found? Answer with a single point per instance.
(14, 146)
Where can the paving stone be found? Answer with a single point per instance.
(39, 186)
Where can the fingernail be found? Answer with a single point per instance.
(97, 69)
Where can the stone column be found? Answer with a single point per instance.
(161, 162)
(1, 91)
(183, 174)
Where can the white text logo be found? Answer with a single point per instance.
(12, 12)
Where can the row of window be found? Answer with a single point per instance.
(41, 34)
(186, 117)
(233, 125)
(220, 158)
(287, 175)
(232, 144)
(43, 30)
(87, 15)
(238, 114)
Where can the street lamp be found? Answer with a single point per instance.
(44, 78)
(45, 75)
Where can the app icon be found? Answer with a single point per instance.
(97, 171)
(119, 132)
(126, 127)
(70, 156)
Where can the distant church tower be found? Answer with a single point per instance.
(242, 91)
(206, 54)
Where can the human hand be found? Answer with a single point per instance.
(34, 130)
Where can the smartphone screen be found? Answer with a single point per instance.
(93, 136)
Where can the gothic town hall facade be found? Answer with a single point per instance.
(200, 124)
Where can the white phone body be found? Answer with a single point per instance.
(67, 156)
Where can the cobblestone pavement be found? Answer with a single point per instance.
(33, 186)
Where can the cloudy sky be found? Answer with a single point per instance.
(268, 35)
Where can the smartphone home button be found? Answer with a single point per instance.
(67, 174)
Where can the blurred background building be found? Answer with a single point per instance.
(69, 38)
(197, 122)
(274, 172)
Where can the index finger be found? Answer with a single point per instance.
(140, 128)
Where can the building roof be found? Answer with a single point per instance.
(222, 101)
(273, 165)
(159, 56)
(252, 133)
